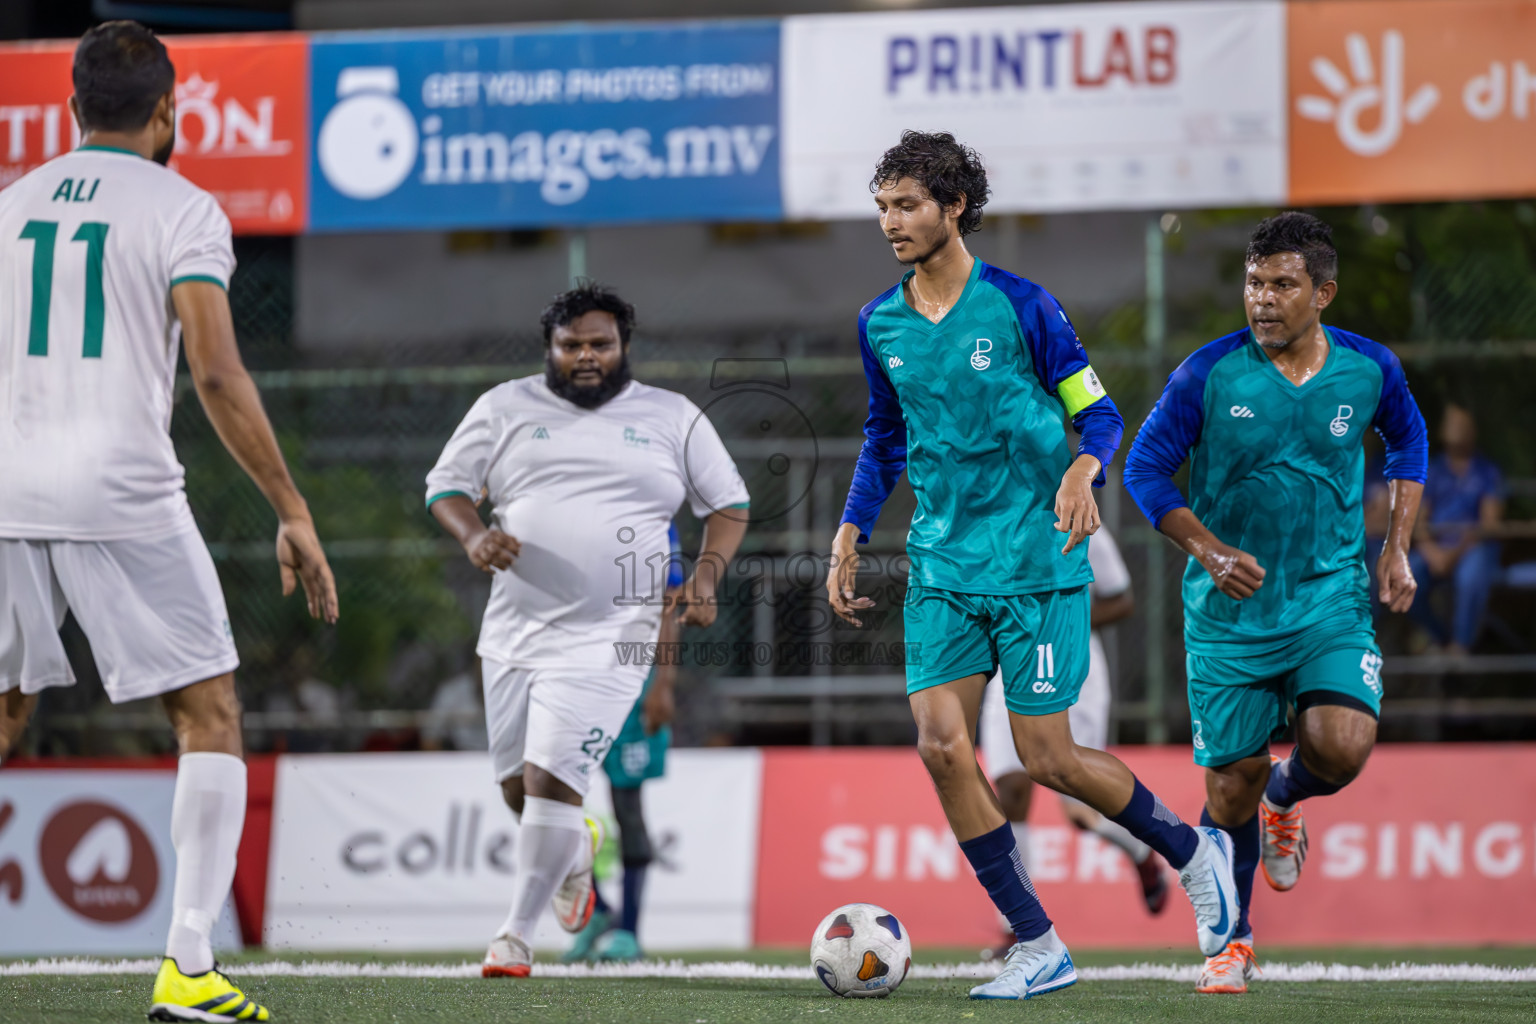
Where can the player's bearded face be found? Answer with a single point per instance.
(585, 363)
(913, 222)
(162, 154)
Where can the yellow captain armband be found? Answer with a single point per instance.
(1080, 390)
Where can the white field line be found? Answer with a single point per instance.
(743, 970)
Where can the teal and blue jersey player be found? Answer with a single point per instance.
(1277, 610)
(972, 373)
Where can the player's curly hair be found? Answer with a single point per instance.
(1301, 233)
(587, 297)
(120, 72)
(947, 169)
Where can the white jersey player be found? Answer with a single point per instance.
(584, 469)
(106, 259)
(1089, 719)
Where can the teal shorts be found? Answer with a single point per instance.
(1238, 706)
(1039, 640)
(635, 756)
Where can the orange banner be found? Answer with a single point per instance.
(1394, 100)
(1432, 845)
(242, 120)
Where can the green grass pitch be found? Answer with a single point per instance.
(92, 998)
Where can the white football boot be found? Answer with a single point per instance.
(577, 896)
(1283, 844)
(1207, 880)
(1033, 968)
(507, 958)
(1230, 971)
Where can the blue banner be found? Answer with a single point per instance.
(546, 127)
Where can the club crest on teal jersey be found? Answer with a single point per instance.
(979, 359)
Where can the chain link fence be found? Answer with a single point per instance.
(1453, 286)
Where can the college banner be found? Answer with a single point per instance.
(241, 120)
(86, 863)
(561, 126)
(1433, 845)
(415, 851)
(1412, 100)
(1073, 107)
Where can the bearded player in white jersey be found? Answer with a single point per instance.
(584, 468)
(108, 262)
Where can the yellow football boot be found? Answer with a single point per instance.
(201, 997)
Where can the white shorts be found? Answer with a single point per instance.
(1088, 718)
(561, 719)
(151, 609)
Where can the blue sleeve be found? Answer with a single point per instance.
(883, 456)
(1059, 358)
(675, 560)
(1398, 420)
(1171, 429)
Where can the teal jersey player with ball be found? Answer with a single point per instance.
(971, 373)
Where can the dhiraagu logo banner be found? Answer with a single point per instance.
(545, 127)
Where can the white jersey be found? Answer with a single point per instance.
(1110, 579)
(90, 246)
(1110, 576)
(588, 493)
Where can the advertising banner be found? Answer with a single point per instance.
(1412, 99)
(560, 126)
(415, 851)
(241, 120)
(1073, 107)
(86, 863)
(1432, 845)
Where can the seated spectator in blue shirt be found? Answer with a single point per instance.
(1463, 499)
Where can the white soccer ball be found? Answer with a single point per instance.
(861, 950)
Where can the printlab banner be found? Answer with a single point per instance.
(1073, 107)
(86, 863)
(536, 127)
(241, 120)
(415, 851)
(1432, 844)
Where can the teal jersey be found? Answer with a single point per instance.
(973, 407)
(1277, 470)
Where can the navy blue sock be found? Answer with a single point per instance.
(601, 906)
(995, 857)
(1245, 861)
(634, 885)
(1290, 782)
(1147, 819)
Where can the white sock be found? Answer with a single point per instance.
(1134, 848)
(548, 845)
(1021, 837)
(207, 817)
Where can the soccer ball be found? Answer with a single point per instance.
(861, 950)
